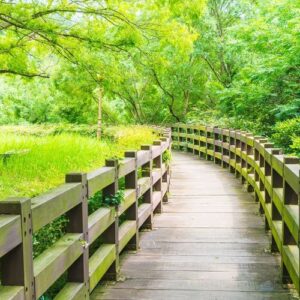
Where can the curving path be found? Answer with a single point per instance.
(209, 243)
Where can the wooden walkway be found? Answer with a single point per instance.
(209, 243)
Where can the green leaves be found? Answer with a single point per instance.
(156, 61)
(114, 200)
(285, 132)
(251, 50)
(121, 42)
(167, 157)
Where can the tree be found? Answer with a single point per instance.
(34, 30)
(226, 61)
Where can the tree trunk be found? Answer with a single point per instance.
(99, 126)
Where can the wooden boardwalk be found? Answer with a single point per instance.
(209, 243)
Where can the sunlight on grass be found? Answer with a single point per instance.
(51, 157)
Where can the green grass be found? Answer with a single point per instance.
(50, 157)
(53, 152)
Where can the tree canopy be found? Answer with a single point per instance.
(229, 61)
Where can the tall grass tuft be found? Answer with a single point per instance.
(50, 157)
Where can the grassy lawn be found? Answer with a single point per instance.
(52, 154)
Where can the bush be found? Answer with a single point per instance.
(167, 157)
(296, 146)
(286, 134)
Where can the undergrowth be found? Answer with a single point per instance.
(48, 158)
(50, 154)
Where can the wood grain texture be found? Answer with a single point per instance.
(209, 243)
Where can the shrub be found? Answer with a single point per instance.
(296, 145)
(167, 157)
(285, 133)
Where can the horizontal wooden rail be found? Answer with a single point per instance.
(108, 230)
(273, 178)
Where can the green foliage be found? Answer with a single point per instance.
(250, 56)
(139, 173)
(167, 157)
(122, 218)
(114, 200)
(137, 51)
(95, 202)
(44, 239)
(50, 157)
(290, 110)
(286, 134)
(53, 129)
(52, 153)
(48, 235)
(140, 200)
(250, 63)
(216, 61)
(296, 145)
(232, 63)
(55, 288)
(98, 200)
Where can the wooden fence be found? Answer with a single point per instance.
(146, 184)
(271, 176)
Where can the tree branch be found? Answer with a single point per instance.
(214, 70)
(170, 106)
(24, 74)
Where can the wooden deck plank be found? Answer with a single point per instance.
(209, 243)
(133, 294)
(200, 285)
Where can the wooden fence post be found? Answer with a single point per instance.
(277, 200)
(238, 160)
(147, 172)
(250, 157)
(18, 263)
(111, 235)
(132, 212)
(177, 137)
(291, 197)
(166, 174)
(78, 223)
(157, 162)
(232, 154)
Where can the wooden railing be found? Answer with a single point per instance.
(271, 176)
(146, 184)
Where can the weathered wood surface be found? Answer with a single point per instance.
(209, 243)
